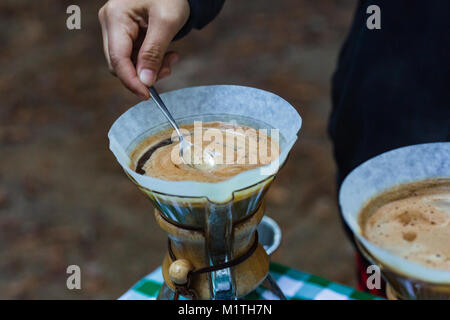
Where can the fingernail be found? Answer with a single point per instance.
(147, 77)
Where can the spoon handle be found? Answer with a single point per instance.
(154, 94)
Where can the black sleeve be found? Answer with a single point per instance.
(202, 13)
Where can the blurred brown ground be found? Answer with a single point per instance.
(64, 199)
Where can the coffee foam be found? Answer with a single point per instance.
(412, 221)
(232, 154)
(394, 168)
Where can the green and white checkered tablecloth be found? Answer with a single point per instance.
(296, 285)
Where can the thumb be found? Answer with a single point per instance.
(151, 53)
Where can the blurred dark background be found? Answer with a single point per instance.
(63, 198)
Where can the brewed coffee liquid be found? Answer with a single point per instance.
(219, 151)
(412, 221)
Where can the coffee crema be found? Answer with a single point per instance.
(412, 221)
(230, 147)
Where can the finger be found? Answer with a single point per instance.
(166, 68)
(172, 57)
(137, 43)
(151, 54)
(163, 73)
(101, 18)
(120, 47)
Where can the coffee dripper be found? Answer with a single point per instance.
(405, 279)
(213, 249)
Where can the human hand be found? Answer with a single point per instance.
(136, 36)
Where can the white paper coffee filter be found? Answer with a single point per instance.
(194, 102)
(403, 165)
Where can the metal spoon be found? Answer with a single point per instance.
(183, 143)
